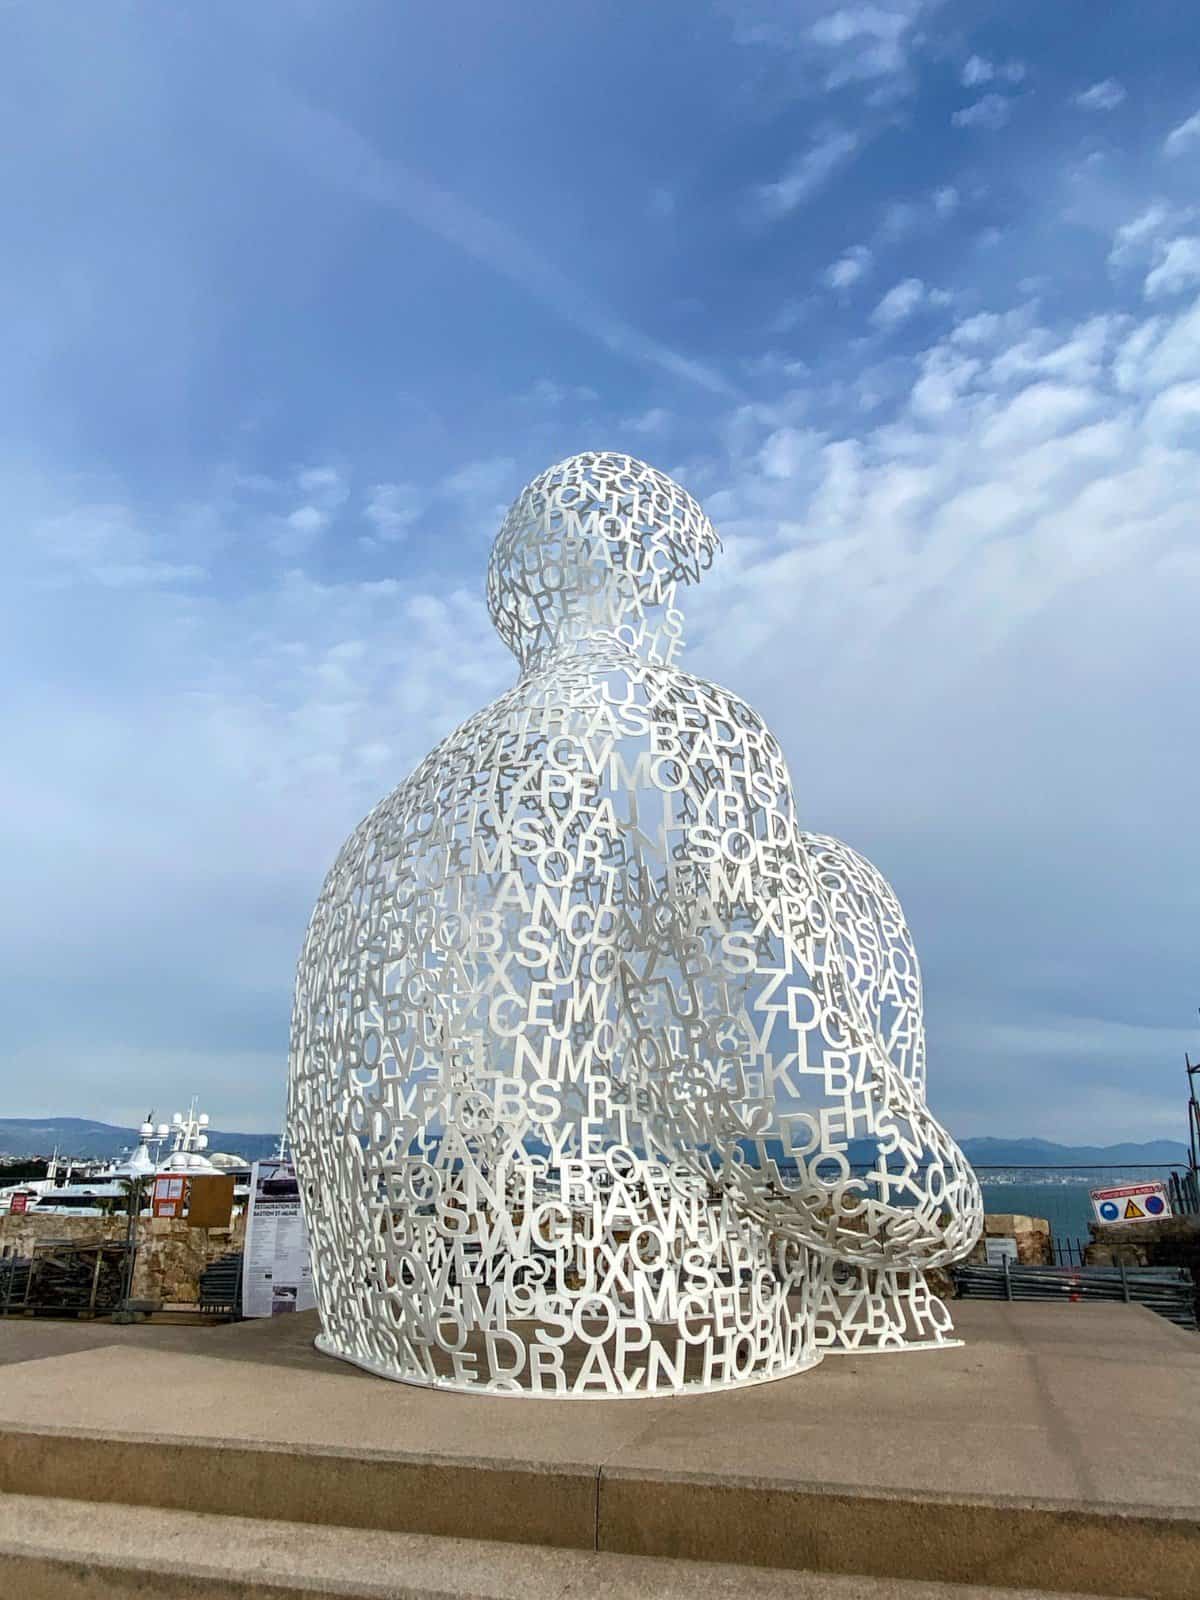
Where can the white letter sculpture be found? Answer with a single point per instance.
(606, 1079)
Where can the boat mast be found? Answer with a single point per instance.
(1193, 1071)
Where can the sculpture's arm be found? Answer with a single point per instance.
(751, 1033)
(881, 958)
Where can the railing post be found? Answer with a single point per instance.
(1124, 1283)
(1008, 1294)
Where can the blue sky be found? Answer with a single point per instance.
(296, 297)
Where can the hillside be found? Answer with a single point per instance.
(1041, 1153)
(78, 1136)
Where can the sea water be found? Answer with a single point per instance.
(1067, 1207)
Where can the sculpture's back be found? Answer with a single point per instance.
(569, 998)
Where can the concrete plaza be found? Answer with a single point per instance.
(1058, 1450)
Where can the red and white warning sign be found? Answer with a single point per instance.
(1132, 1202)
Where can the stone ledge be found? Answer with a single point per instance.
(58, 1550)
(733, 1520)
(1035, 1246)
(1091, 1549)
(534, 1503)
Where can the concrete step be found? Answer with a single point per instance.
(53, 1549)
(734, 1518)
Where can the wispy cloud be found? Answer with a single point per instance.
(841, 44)
(323, 491)
(808, 173)
(978, 69)
(331, 149)
(1177, 269)
(652, 423)
(1183, 137)
(990, 112)
(902, 300)
(109, 546)
(391, 509)
(551, 395)
(866, 40)
(901, 218)
(987, 575)
(1106, 95)
(850, 268)
(945, 200)
(1137, 235)
(485, 479)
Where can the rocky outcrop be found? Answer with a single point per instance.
(1035, 1245)
(1172, 1242)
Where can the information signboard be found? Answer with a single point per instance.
(169, 1195)
(998, 1251)
(276, 1274)
(1132, 1202)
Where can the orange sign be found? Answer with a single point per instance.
(169, 1196)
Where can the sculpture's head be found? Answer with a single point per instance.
(597, 545)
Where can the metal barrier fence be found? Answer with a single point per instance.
(1169, 1291)
(1069, 1252)
(1185, 1193)
(221, 1287)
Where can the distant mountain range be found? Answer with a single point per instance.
(985, 1153)
(77, 1136)
(1041, 1153)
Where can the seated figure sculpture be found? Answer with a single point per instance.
(606, 1078)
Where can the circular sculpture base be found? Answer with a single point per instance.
(900, 1348)
(328, 1347)
(629, 1280)
(865, 1311)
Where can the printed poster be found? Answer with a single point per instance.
(168, 1197)
(276, 1273)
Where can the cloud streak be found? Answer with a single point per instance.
(991, 112)
(808, 173)
(1182, 138)
(333, 151)
(1106, 95)
(850, 268)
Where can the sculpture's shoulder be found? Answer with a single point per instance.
(435, 789)
(715, 702)
(848, 875)
(615, 698)
(716, 726)
(653, 697)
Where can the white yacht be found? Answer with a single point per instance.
(83, 1189)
